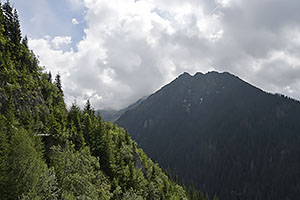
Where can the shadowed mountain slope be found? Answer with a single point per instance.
(226, 135)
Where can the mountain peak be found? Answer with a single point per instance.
(184, 74)
(208, 74)
(216, 73)
(198, 74)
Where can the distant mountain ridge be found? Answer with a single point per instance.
(113, 115)
(229, 137)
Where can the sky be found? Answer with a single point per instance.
(115, 51)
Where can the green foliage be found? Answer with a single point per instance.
(24, 164)
(4, 150)
(58, 83)
(79, 174)
(75, 127)
(47, 188)
(129, 169)
(27, 174)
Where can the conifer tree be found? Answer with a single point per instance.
(97, 134)
(87, 107)
(1, 21)
(16, 30)
(58, 83)
(8, 19)
(11, 23)
(49, 76)
(74, 124)
(87, 128)
(25, 41)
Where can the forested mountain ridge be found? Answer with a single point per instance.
(225, 135)
(49, 152)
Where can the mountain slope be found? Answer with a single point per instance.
(226, 135)
(47, 152)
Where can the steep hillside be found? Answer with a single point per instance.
(226, 135)
(47, 152)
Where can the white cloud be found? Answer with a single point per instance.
(223, 3)
(58, 41)
(131, 48)
(74, 21)
(55, 60)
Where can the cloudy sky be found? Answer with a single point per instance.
(116, 51)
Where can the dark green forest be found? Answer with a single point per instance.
(50, 152)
